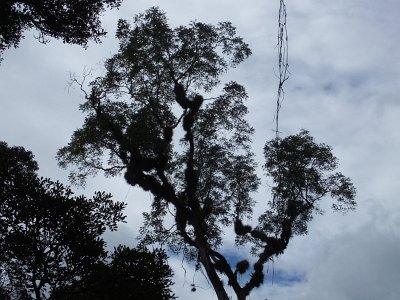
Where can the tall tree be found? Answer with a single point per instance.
(47, 235)
(73, 21)
(131, 274)
(146, 119)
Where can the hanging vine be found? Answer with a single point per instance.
(283, 75)
(283, 61)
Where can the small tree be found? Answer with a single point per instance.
(131, 274)
(148, 101)
(74, 22)
(47, 235)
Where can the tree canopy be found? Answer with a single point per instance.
(145, 118)
(74, 22)
(48, 236)
(132, 273)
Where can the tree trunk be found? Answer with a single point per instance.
(212, 275)
(241, 297)
(36, 289)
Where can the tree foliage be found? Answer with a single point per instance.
(73, 21)
(48, 236)
(146, 119)
(131, 274)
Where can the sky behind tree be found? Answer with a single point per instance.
(343, 88)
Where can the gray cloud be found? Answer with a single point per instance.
(359, 265)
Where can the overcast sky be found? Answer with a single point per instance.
(344, 88)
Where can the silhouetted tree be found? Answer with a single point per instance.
(148, 100)
(47, 235)
(131, 274)
(4, 293)
(73, 21)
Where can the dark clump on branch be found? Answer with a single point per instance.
(207, 207)
(189, 118)
(258, 267)
(131, 175)
(258, 234)
(219, 266)
(168, 133)
(241, 229)
(180, 96)
(163, 148)
(257, 278)
(242, 266)
(188, 121)
(191, 177)
(193, 105)
(196, 103)
(181, 220)
(145, 164)
(183, 101)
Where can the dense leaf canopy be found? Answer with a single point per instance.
(131, 274)
(48, 236)
(73, 21)
(132, 113)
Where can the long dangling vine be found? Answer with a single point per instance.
(283, 61)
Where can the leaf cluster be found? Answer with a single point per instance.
(48, 236)
(73, 21)
(131, 273)
(302, 174)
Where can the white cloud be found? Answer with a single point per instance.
(359, 265)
